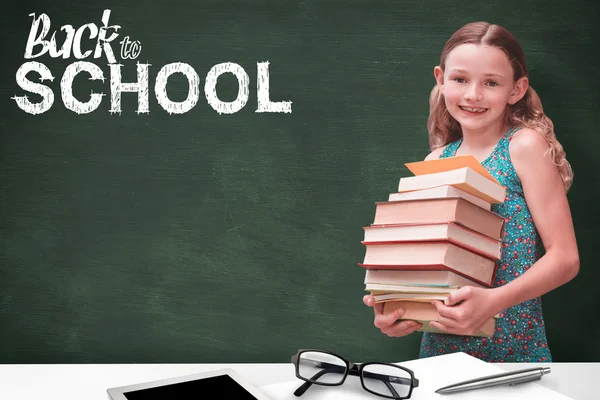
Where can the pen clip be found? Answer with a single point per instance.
(530, 379)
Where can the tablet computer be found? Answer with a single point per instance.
(223, 383)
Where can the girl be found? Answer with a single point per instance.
(483, 105)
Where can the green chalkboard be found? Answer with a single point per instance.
(235, 237)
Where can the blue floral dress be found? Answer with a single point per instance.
(520, 334)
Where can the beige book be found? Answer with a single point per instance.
(381, 292)
(423, 289)
(440, 210)
(431, 232)
(440, 192)
(419, 297)
(400, 278)
(465, 178)
(426, 312)
(430, 256)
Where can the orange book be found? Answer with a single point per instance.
(426, 312)
(447, 164)
(430, 256)
(441, 210)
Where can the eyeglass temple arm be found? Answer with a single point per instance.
(388, 378)
(304, 387)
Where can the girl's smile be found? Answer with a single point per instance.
(472, 111)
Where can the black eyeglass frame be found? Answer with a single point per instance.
(356, 370)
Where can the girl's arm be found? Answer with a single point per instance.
(547, 201)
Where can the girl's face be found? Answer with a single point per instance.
(477, 85)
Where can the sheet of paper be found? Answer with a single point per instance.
(433, 373)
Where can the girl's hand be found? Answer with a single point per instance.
(389, 324)
(465, 311)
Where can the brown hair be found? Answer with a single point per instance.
(526, 113)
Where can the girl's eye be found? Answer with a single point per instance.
(460, 80)
(493, 84)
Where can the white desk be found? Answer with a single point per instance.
(90, 381)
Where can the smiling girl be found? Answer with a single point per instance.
(482, 105)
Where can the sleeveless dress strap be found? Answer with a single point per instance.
(511, 131)
(505, 140)
(450, 150)
(503, 143)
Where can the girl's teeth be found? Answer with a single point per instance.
(479, 110)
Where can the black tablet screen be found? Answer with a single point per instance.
(221, 387)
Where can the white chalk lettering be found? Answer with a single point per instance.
(210, 88)
(117, 87)
(160, 88)
(69, 42)
(43, 90)
(103, 42)
(262, 86)
(40, 27)
(66, 87)
(130, 49)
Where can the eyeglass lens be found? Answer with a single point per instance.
(378, 378)
(321, 367)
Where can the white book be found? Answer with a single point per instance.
(440, 192)
(422, 289)
(464, 178)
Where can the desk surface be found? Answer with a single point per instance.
(90, 381)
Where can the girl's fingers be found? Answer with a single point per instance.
(385, 321)
(402, 328)
(445, 311)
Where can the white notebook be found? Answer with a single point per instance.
(432, 373)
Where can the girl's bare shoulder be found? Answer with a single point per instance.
(527, 142)
(435, 154)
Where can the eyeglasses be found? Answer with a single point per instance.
(324, 368)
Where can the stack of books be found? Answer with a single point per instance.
(434, 235)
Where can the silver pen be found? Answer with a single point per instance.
(506, 378)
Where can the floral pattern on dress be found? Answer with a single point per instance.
(520, 334)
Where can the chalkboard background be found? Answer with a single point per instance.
(202, 237)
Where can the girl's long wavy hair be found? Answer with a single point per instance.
(526, 113)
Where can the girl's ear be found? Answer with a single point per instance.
(439, 77)
(519, 90)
